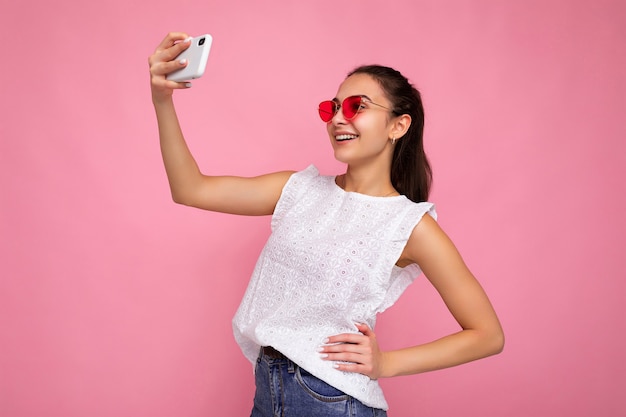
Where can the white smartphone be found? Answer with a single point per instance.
(196, 55)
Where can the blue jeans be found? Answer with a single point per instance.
(283, 389)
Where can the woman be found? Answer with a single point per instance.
(342, 249)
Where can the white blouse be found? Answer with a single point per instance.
(329, 263)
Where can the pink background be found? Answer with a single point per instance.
(114, 301)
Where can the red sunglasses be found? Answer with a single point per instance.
(350, 107)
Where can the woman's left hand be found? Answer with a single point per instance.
(355, 352)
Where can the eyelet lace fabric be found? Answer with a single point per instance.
(329, 263)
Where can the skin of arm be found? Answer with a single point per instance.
(227, 194)
(480, 336)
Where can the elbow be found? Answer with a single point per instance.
(180, 198)
(177, 199)
(499, 344)
(488, 342)
(186, 193)
(495, 342)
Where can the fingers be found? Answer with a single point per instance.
(163, 61)
(164, 68)
(366, 369)
(347, 344)
(171, 39)
(346, 338)
(167, 54)
(354, 352)
(350, 347)
(170, 52)
(360, 358)
(159, 71)
(365, 332)
(364, 328)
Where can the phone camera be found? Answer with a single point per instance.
(201, 41)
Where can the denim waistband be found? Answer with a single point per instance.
(271, 353)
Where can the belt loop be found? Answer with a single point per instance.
(291, 367)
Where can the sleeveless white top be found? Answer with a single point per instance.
(329, 263)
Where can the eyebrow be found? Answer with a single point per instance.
(355, 95)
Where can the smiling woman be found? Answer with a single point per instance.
(343, 249)
(410, 171)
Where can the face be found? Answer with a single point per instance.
(364, 137)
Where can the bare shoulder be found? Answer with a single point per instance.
(440, 261)
(429, 245)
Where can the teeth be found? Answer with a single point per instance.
(345, 137)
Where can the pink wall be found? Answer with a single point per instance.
(116, 302)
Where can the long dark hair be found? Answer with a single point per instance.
(411, 174)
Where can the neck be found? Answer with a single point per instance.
(376, 183)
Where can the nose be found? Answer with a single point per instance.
(339, 118)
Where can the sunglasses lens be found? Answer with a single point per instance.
(327, 110)
(351, 106)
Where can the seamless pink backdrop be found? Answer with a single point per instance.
(114, 301)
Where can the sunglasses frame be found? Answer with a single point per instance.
(336, 107)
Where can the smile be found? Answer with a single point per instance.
(340, 138)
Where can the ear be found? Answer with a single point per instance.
(399, 126)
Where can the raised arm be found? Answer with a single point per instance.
(228, 194)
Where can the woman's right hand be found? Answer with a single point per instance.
(163, 62)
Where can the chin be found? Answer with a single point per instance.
(342, 157)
